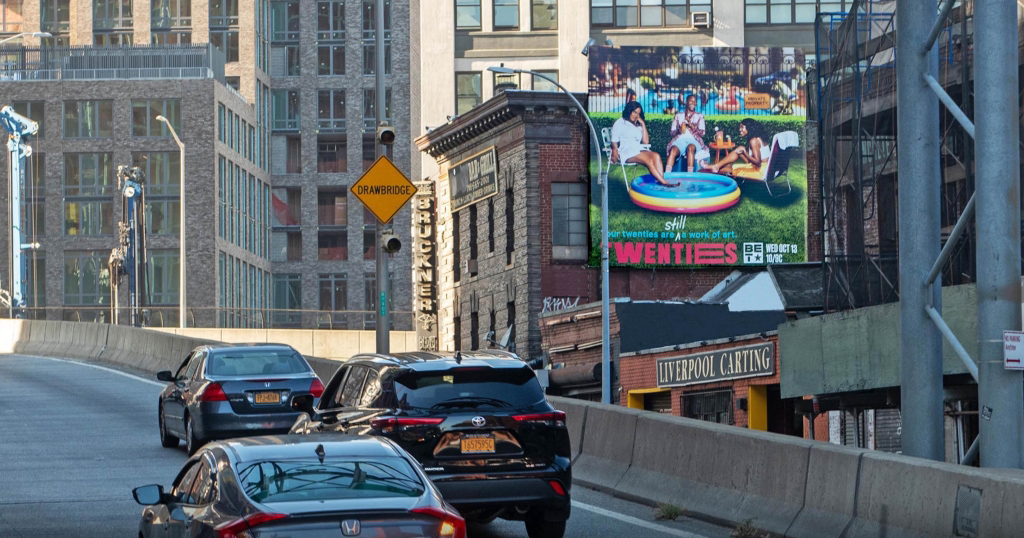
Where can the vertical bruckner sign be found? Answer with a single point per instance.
(424, 266)
(720, 365)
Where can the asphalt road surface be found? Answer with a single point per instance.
(75, 438)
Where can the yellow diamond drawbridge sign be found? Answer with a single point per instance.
(384, 189)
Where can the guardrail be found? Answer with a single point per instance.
(788, 486)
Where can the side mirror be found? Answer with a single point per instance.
(148, 495)
(304, 404)
(165, 375)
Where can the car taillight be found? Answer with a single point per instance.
(556, 417)
(316, 388)
(214, 393)
(557, 486)
(238, 527)
(452, 525)
(392, 424)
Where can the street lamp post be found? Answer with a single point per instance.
(24, 34)
(606, 377)
(181, 223)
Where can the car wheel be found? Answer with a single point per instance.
(538, 528)
(191, 443)
(166, 439)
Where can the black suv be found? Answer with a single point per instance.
(477, 422)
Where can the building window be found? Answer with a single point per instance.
(163, 174)
(490, 224)
(709, 406)
(791, 11)
(287, 207)
(334, 298)
(369, 244)
(32, 110)
(332, 245)
(35, 289)
(369, 37)
(545, 15)
(541, 85)
(111, 14)
(170, 14)
(285, 246)
(474, 331)
(112, 39)
(632, 13)
(457, 330)
(331, 154)
(467, 14)
(55, 16)
(506, 15)
(11, 17)
(287, 296)
(332, 207)
(223, 13)
(170, 38)
(225, 41)
(510, 226)
(370, 109)
(163, 276)
(88, 119)
(86, 277)
(330, 110)
(456, 248)
(330, 35)
(286, 110)
(286, 154)
(491, 325)
(284, 21)
(472, 232)
(510, 321)
(569, 232)
(284, 61)
(469, 91)
(88, 186)
(145, 111)
(33, 205)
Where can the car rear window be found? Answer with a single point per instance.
(474, 386)
(256, 362)
(338, 479)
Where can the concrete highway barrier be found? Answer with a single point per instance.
(788, 486)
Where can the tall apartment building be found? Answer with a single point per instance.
(299, 69)
(460, 39)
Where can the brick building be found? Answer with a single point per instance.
(504, 257)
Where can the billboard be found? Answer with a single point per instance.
(705, 153)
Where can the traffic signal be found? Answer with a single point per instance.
(385, 135)
(390, 243)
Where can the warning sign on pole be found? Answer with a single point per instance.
(384, 189)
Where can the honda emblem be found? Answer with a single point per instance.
(479, 421)
(267, 384)
(350, 527)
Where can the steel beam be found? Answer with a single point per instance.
(919, 222)
(958, 348)
(951, 105)
(954, 236)
(940, 23)
(1000, 391)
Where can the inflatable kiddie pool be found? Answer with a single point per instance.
(696, 193)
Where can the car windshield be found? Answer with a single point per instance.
(256, 362)
(469, 387)
(337, 479)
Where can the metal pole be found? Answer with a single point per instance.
(380, 95)
(919, 210)
(1000, 391)
(182, 308)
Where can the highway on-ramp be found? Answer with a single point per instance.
(75, 438)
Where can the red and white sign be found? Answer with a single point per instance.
(1013, 350)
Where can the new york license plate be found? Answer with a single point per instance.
(267, 397)
(478, 445)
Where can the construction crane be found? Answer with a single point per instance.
(18, 128)
(129, 258)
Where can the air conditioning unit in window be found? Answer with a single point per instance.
(700, 19)
(471, 267)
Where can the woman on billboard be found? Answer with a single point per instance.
(629, 133)
(687, 137)
(754, 155)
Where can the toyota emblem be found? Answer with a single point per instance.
(479, 421)
(351, 527)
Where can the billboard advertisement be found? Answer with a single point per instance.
(704, 148)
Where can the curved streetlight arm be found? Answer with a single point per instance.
(181, 224)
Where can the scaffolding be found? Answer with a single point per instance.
(856, 78)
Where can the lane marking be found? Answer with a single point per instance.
(98, 367)
(636, 521)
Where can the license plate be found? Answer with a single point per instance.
(478, 445)
(267, 397)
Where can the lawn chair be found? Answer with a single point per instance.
(606, 138)
(784, 145)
